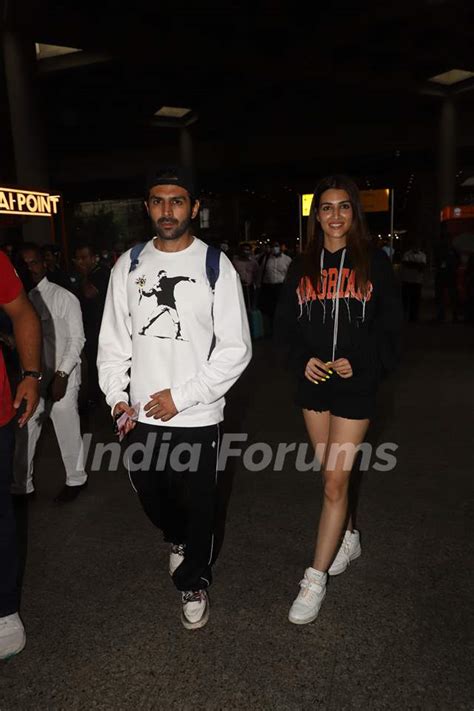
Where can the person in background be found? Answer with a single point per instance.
(388, 249)
(273, 270)
(247, 269)
(411, 274)
(27, 333)
(91, 289)
(446, 264)
(52, 256)
(63, 340)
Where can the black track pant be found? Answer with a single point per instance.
(8, 542)
(181, 503)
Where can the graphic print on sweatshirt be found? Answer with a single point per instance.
(164, 320)
(328, 289)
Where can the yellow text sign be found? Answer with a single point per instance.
(27, 202)
(306, 201)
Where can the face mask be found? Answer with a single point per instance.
(246, 253)
(276, 251)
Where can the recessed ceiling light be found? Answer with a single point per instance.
(452, 77)
(172, 112)
(45, 51)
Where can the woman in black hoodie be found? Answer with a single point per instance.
(340, 315)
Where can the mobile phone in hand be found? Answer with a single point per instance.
(121, 419)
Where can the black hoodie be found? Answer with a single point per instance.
(366, 331)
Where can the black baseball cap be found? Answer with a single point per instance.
(171, 175)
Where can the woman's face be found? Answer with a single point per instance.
(335, 215)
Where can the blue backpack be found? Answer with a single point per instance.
(213, 256)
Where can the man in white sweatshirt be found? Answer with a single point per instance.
(172, 344)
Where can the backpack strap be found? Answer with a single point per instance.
(213, 256)
(134, 255)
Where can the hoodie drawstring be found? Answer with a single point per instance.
(336, 298)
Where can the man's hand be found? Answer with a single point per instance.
(27, 390)
(58, 387)
(316, 370)
(121, 407)
(161, 406)
(342, 367)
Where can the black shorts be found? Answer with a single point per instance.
(352, 400)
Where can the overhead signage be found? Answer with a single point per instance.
(461, 212)
(29, 203)
(375, 200)
(306, 201)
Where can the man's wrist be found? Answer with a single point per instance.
(36, 374)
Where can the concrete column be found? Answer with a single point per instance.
(447, 153)
(26, 126)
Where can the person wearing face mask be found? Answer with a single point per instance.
(246, 267)
(340, 318)
(273, 270)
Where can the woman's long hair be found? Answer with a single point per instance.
(357, 240)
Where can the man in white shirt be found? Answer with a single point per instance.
(63, 340)
(172, 345)
(274, 268)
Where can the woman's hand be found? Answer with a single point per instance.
(317, 371)
(342, 367)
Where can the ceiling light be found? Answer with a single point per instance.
(172, 112)
(45, 51)
(454, 76)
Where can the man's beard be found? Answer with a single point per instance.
(179, 230)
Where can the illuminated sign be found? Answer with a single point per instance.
(375, 200)
(462, 212)
(28, 203)
(306, 201)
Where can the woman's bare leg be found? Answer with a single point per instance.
(344, 437)
(317, 426)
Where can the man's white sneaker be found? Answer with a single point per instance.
(12, 636)
(350, 550)
(306, 606)
(195, 612)
(176, 556)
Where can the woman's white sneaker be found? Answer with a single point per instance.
(12, 636)
(305, 608)
(195, 612)
(177, 551)
(350, 550)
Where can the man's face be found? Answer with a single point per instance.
(84, 260)
(35, 264)
(170, 211)
(51, 259)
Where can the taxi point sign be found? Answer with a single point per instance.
(29, 203)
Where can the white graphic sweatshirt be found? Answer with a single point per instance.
(157, 331)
